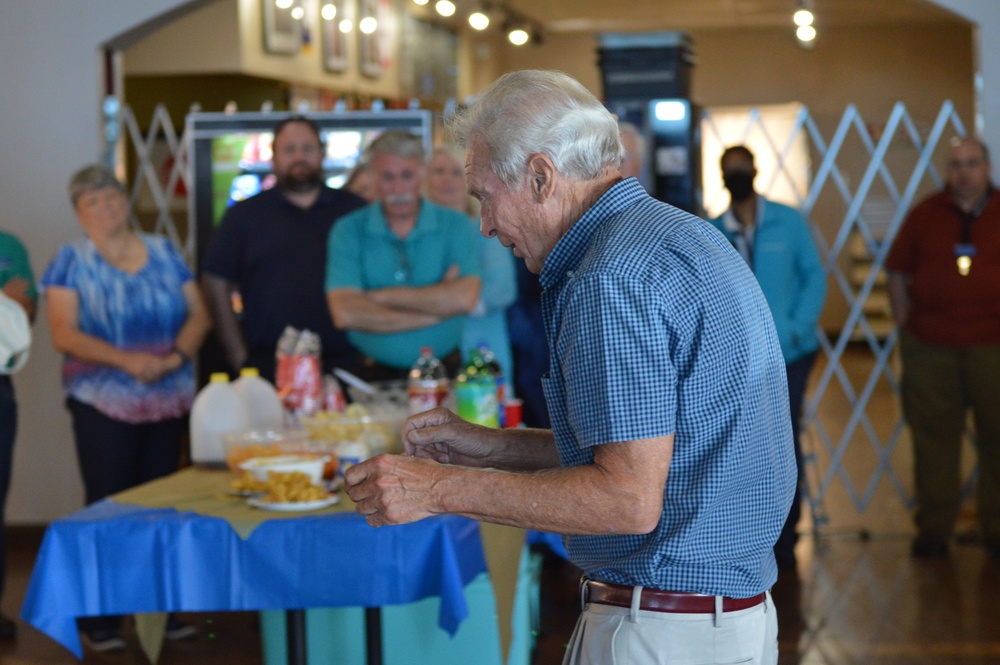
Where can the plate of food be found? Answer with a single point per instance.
(246, 493)
(292, 506)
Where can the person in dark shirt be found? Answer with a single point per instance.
(271, 248)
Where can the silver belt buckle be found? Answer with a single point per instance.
(584, 592)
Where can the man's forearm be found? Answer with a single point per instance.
(591, 499)
(354, 310)
(899, 297)
(523, 449)
(444, 299)
(227, 329)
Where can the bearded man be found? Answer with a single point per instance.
(271, 248)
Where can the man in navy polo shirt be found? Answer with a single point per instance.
(663, 358)
(272, 249)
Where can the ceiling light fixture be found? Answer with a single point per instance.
(479, 21)
(282, 4)
(298, 12)
(445, 7)
(368, 25)
(420, 2)
(328, 12)
(518, 36)
(804, 19)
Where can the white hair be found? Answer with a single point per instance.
(541, 111)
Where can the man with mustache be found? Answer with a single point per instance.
(402, 272)
(272, 249)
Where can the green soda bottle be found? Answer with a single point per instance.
(476, 392)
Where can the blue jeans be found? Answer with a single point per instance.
(797, 373)
(8, 431)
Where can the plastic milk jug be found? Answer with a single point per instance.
(260, 399)
(217, 410)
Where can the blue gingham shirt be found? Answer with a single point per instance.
(656, 326)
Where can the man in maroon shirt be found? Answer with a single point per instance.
(944, 285)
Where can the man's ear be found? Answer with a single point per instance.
(542, 176)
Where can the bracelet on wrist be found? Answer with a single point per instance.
(184, 357)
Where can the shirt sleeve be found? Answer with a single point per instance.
(176, 262)
(812, 280)
(498, 273)
(902, 254)
(226, 248)
(61, 271)
(343, 253)
(464, 249)
(21, 266)
(618, 369)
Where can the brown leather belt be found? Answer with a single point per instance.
(655, 600)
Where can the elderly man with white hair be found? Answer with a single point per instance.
(669, 468)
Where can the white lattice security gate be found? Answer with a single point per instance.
(160, 175)
(867, 177)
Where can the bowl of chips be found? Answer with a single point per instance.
(309, 464)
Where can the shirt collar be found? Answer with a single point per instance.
(570, 249)
(427, 221)
(733, 226)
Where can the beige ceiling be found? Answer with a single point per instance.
(648, 15)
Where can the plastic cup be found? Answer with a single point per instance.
(512, 412)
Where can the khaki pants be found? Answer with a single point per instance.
(609, 635)
(940, 385)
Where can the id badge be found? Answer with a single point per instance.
(964, 252)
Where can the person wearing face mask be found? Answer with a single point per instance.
(775, 242)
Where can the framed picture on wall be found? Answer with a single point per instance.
(282, 33)
(337, 19)
(369, 37)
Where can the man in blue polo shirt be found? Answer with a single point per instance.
(272, 249)
(403, 272)
(663, 358)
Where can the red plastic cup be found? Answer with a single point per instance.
(512, 412)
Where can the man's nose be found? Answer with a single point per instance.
(486, 228)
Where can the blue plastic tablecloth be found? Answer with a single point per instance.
(551, 540)
(111, 558)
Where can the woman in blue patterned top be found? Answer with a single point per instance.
(125, 310)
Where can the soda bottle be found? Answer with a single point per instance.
(490, 360)
(476, 392)
(428, 382)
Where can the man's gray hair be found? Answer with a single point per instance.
(90, 179)
(397, 142)
(541, 111)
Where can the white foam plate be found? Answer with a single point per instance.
(292, 506)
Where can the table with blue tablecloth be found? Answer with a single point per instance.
(182, 543)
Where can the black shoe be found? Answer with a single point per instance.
(104, 641)
(926, 547)
(8, 629)
(178, 630)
